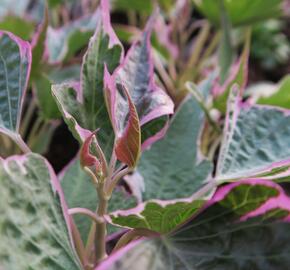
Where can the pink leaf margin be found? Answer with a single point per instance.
(56, 187)
(25, 55)
(236, 105)
(165, 108)
(281, 201)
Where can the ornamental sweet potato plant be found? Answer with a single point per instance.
(181, 164)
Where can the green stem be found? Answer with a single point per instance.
(191, 87)
(101, 227)
(34, 131)
(164, 76)
(111, 184)
(27, 118)
(79, 246)
(193, 60)
(22, 145)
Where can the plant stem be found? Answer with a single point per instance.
(199, 98)
(199, 44)
(27, 118)
(22, 145)
(101, 228)
(79, 246)
(85, 212)
(111, 184)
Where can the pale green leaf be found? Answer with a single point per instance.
(33, 225)
(15, 61)
(256, 140)
(173, 168)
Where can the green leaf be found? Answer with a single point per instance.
(142, 6)
(42, 87)
(18, 26)
(15, 62)
(49, 109)
(255, 140)
(235, 231)
(280, 97)
(79, 191)
(226, 52)
(241, 12)
(83, 107)
(238, 75)
(159, 217)
(171, 168)
(64, 42)
(38, 47)
(34, 232)
(65, 74)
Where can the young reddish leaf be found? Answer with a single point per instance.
(86, 158)
(128, 142)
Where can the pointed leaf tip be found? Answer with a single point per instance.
(86, 158)
(128, 143)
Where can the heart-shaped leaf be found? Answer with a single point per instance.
(244, 226)
(255, 140)
(34, 224)
(15, 63)
(173, 167)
